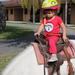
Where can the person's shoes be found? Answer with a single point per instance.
(53, 58)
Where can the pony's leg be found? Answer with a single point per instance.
(68, 60)
(58, 71)
(51, 70)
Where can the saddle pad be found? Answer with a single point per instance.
(39, 56)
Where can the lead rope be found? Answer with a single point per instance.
(72, 48)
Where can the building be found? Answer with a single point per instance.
(70, 11)
(15, 12)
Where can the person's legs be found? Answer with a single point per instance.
(52, 44)
(52, 48)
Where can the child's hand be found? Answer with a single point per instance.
(36, 33)
(65, 38)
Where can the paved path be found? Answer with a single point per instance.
(19, 44)
(15, 45)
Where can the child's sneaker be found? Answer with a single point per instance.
(53, 58)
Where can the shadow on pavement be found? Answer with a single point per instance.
(21, 42)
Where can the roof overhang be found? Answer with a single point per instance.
(12, 3)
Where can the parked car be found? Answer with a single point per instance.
(2, 17)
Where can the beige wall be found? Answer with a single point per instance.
(73, 14)
(10, 16)
(18, 14)
(26, 17)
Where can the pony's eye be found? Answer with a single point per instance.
(53, 2)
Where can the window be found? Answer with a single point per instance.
(11, 11)
(25, 11)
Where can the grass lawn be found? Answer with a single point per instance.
(71, 27)
(27, 23)
(12, 32)
(4, 59)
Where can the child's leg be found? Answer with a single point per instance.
(52, 48)
(52, 44)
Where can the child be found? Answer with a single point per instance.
(51, 25)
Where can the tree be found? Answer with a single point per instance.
(36, 4)
(66, 12)
(73, 1)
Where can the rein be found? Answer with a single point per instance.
(72, 48)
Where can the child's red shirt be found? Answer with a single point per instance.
(52, 26)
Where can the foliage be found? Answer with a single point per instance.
(29, 3)
(73, 1)
(59, 2)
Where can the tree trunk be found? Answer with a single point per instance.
(33, 13)
(66, 12)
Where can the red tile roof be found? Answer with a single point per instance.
(12, 3)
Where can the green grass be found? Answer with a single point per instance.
(71, 27)
(5, 59)
(27, 23)
(12, 32)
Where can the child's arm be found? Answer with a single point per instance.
(64, 31)
(39, 29)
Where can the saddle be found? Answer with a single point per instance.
(61, 46)
(44, 45)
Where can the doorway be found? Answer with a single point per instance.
(18, 14)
